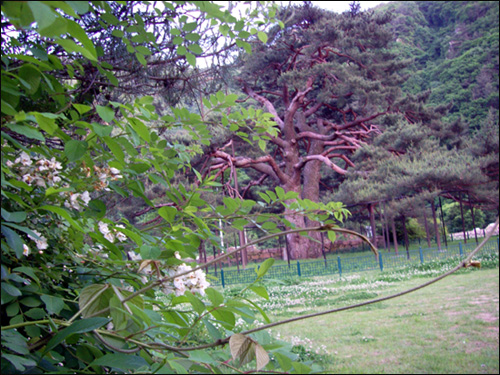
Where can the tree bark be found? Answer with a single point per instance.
(436, 228)
(372, 223)
(394, 235)
(427, 233)
(312, 176)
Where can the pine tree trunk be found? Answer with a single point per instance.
(310, 191)
(436, 228)
(372, 223)
(298, 245)
(427, 233)
(394, 235)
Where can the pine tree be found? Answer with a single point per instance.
(328, 80)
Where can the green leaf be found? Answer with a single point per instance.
(193, 37)
(264, 196)
(44, 15)
(70, 46)
(201, 356)
(224, 317)
(231, 204)
(140, 57)
(168, 213)
(80, 7)
(106, 113)
(63, 213)
(150, 252)
(212, 331)
(53, 304)
(188, 27)
(80, 326)
(143, 50)
(32, 76)
(197, 304)
(45, 123)
(262, 145)
(140, 128)
(181, 50)
(36, 313)
(118, 33)
(88, 293)
(14, 241)
(11, 290)
(284, 362)
(115, 149)
(300, 368)
(102, 130)
(74, 149)
(27, 271)
(19, 362)
(120, 361)
(262, 36)
(214, 296)
(264, 267)
(191, 59)
(15, 217)
(280, 192)
(260, 291)
(118, 314)
(239, 223)
(269, 225)
(82, 108)
(77, 32)
(195, 48)
(26, 131)
(332, 236)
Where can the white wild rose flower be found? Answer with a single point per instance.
(41, 243)
(26, 250)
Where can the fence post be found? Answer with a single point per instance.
(380, 262)
(421, 255)
(461, 249)
(298, 268)
(222, 277)
(340, 266)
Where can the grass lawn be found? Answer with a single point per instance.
(449, 327)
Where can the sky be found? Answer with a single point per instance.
(342, 6)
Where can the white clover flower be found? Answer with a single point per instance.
(8, 163)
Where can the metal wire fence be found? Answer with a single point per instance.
(309, 268)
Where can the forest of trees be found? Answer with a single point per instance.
(134, 134)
